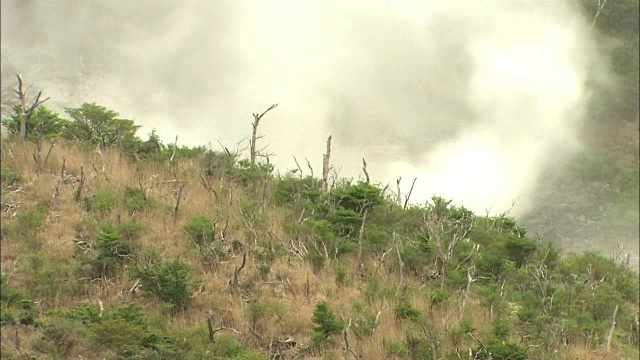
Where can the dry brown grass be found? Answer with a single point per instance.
(286, 284)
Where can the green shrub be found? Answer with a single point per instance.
(200, 229)
(102, 201)
(135, 199)
(170, 281)
(519, 250)
(290, 190)
(405, 311)
(364, 320)
(8, 176)
(112, 251)
(15, 307)
(395, 349)
(439, 297)
(29, 223)
(357, 197)
(325, 323)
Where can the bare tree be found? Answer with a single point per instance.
(26, 112)
(326, 165)
(254, 134)
(364, 170)
(613, 326)
(446, 233)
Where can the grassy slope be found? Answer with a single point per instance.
(290, 291)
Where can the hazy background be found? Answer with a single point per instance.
(476, 99)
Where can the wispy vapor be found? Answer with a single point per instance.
(474, 98)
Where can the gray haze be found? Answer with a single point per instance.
(475, 98)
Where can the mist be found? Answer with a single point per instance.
(475, 99)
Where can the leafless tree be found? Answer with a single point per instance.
(254, 135)
(26, 111)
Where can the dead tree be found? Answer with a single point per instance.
(360, 242)
(406, 201)
(234, 281)
(213, 331)
(364, 170)
(446, 233)
(326, 164)
(26, 112)
(175, 147)
(398, 193)
(254, 134)
(79, 185)
(178, 197)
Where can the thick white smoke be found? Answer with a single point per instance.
(473, 98)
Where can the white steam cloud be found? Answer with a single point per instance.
(476, 99)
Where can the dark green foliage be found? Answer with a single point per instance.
(405, 311)
(112, 250)
(152, 146)
(15, 307)
(504, 350)
(439, 296)
(247, 175)
(345, 223)
(124, 329)
(95, 124)
(519, 249)
(170, 281)
(500, 329)
(290, 190)
(41, 124)
(490, 265)
(357, 197)
(325, 322)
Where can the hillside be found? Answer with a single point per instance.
(196, 254)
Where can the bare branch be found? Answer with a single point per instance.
(364, 169)
(406, 201)
(175, 147)
(254, 134)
